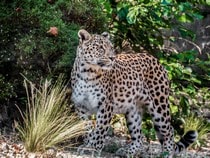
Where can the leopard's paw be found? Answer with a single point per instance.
(123, 152)
(87, 149)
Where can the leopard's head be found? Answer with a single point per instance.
(96, 50)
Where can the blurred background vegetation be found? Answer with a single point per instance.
(38, 39)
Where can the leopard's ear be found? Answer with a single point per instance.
(106, 35)
(83, 36)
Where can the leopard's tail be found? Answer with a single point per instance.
(186, 141)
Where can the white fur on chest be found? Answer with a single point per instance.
(83, 96)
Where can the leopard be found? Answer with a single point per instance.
(105, 83)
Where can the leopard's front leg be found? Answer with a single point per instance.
(96, 138)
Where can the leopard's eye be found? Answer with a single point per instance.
(101, 50)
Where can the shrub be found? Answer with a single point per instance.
(188, 87)
(142, 22)
(7, 88)
(27, 46)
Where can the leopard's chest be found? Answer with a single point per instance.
(86, 95)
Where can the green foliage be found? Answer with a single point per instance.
(188, 87)
(87, 14)
(34, 48)
(28, 48)
(6, 89)
(26, 43)
(47, 121)
(141, 22)
(148, 130)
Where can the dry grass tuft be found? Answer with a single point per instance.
(198, 124)
(47, 120)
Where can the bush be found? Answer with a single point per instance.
(29, 47)
(7, 88)
(142, 23)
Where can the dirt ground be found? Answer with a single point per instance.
(10, 147)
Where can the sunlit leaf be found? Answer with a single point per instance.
(174, 108)
(195, 80)
(185, 18)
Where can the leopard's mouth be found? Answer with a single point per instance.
(105, 63)
(102, 63)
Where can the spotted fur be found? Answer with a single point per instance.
(105, 84)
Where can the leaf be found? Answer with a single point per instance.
(122, 13)
(193, 79)
(185, 105)
(187, 6)
(186, 32)
(166, 2)
(190, 89)
(174, 109)
(185, 18)
(198, 16)
(132, 15)
(187, 71)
